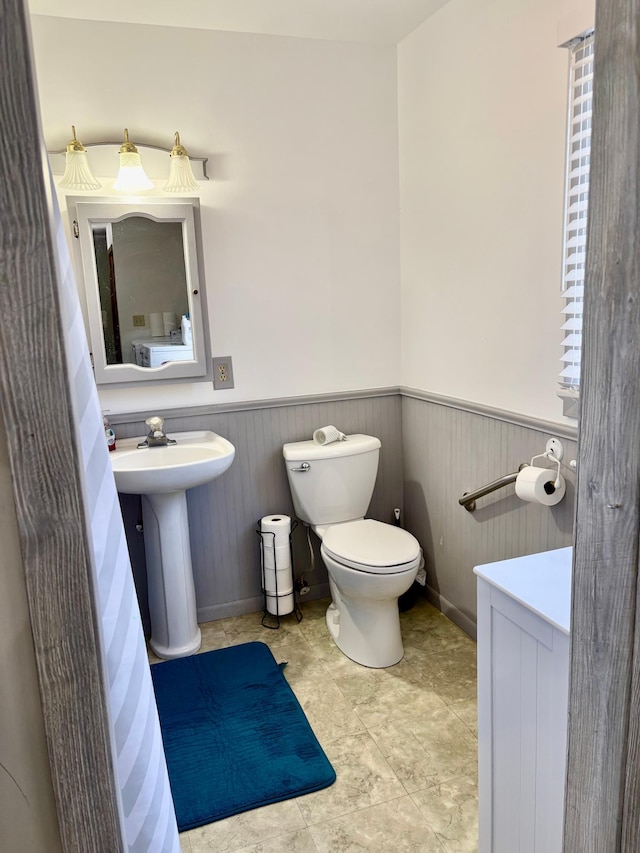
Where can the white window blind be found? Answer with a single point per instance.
(577, 200)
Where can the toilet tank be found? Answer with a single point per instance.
(338, 483)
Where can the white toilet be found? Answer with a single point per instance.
(370, 564)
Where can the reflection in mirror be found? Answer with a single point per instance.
(143, 289)
(142, 285)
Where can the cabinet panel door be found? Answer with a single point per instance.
(523, 679)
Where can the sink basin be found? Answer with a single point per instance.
(197, 458)
(162, 475)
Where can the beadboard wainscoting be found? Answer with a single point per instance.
(449, 450)
(433, 450)
(223, 514)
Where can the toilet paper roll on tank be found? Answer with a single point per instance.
(328, 434)
(540, 485)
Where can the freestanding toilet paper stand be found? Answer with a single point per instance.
(284, 601)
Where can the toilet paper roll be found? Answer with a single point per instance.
(539, 485)
(276, 558)
(169, 322)
(280, 526)
(278, 583)
(157, 327)
(327, 435)
(280, 605)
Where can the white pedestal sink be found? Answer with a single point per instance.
(162, 475)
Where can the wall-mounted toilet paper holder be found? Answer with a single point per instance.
(554, 451)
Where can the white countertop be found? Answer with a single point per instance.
(540, 582)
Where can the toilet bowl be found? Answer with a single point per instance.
(370, 565)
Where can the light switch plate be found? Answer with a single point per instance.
(222, 373)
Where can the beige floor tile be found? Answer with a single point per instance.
(391, 827)
(316, 626)
(451, 809)
(468, 713)
(335, 661)
(185, 843)
(328, 712)
(291, 842)
(382, 696)
(243, 830)
(433, 633)
(363, 778)
(304, 664)
(451, 674)
(213, 636)
(314, 610)
(427, 750)
(257, 633)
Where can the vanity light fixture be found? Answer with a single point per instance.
(181, 178)
(77, 174)
(131, 177)
(72, 161)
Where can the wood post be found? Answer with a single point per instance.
(35, 399)
(603, 773)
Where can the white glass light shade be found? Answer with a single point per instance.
(77, 174)
(181, 177)
(131, 176)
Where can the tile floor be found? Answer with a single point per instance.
(403, 742)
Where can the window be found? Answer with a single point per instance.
(576, 203)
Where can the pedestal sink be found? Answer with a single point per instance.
(162, 475)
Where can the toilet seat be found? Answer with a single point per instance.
(372, 546)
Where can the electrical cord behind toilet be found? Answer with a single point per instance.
(302, 586)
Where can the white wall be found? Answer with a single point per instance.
(301, 227)
(300, 221)
(482, 122)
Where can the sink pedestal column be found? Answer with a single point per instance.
(172, 597)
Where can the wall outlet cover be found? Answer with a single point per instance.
(222, 373)
(139, 320)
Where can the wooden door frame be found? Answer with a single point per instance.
(603, 778)
(47, 479)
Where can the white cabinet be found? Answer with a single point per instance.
(157, 351)
(523, 685)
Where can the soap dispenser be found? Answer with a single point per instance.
(109, 433)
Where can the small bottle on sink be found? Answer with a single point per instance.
(109, 433)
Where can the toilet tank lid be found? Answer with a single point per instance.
(300, 451)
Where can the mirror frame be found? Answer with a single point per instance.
(84, 212)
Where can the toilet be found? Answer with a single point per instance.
(369, 563)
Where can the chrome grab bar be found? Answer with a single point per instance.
(303, 468)
(468, 500)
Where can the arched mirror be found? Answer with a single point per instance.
(143, 289)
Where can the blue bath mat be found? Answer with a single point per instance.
(234, 734)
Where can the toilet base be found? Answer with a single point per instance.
(378, 648)
(363, 618)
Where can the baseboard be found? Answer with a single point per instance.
(452, 612)
(253, 605)
(230, 608)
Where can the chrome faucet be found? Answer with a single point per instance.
(156, 436)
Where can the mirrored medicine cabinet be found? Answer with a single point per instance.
(144, 290)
